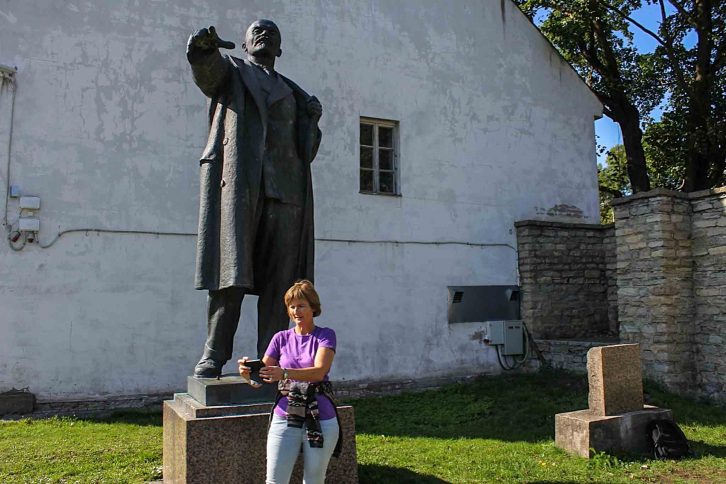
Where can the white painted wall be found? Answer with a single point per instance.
(494, 127)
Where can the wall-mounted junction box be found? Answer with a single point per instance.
(29, 224)
(513, 338)
(30, 203)
(509, 334)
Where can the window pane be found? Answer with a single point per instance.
(385, 137)
(386, 182)
(366, 181)
(366, 157)
(385, 159)
(366, 134)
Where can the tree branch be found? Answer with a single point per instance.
(681, 9)
(633, 21)
(667, 45)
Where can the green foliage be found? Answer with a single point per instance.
(685, 75)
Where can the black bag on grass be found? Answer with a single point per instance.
(668, 439)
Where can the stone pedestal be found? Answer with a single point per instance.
(624, 434)
(226, 443)
(616, 421)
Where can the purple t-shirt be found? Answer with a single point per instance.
(292, 350)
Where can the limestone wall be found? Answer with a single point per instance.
(671, 271)
(658, 278)
(567, 286)
(708, 235)
(567, 354)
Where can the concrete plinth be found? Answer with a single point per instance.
(228, 390)
(226, 444)
(623, 434)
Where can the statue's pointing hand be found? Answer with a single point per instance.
(206, 40)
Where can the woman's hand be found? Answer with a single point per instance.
(246, 371)
(271, 374)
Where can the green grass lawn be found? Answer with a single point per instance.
(497, 429)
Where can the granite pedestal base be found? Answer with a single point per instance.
(623, 434)
(226, 443)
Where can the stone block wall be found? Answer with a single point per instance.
(671, 277)
(567, 280)
(708, 235)
(567, 354)
(655, 285)
(658, 278)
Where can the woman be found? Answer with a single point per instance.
(299, 359)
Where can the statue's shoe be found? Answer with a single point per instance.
(208, 368)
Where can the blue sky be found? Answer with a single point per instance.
(608, 132)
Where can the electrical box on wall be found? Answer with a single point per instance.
(513, 338)
(29, 224)
(495, 333)
(30, 203)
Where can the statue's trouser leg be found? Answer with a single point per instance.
(223, 308)
(276, 266)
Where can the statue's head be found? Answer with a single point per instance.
(263, 39)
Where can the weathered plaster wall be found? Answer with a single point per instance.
(567, 279)
(494, 127)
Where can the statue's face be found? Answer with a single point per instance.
(263, 39)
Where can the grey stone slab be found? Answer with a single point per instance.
(228, 390)
(193, 408)
(624, 434)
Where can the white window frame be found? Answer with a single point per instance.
(376, 123)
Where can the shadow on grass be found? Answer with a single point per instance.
(506, 407)
(702, 449)
(141, 418)
(374, 473)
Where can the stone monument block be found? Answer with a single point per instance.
(227, 444)
(625, 434)
(615, 377)
(616, 420)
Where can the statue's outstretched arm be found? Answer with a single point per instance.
(209, 68)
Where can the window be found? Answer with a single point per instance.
(379, 156)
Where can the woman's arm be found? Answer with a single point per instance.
(323, 362)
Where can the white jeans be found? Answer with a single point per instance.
(283, 447)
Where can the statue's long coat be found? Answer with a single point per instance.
(231, 174)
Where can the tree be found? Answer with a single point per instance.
(596, 37)
(613, 181)
(599, 44)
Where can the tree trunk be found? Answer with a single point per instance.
(628, 118)
(701, 147)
